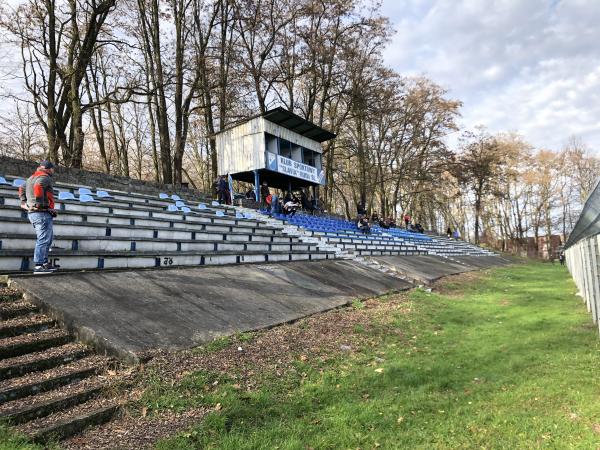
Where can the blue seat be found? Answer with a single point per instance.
(18, 182)
(202, 206)
(103, 194)
(85, 191)
(66, 196)
(185, 209)
(239, 215)
(175, 197)
(180, 203)
(172, 208)
(163, 195)
(85, 198)
(3, 181)
(248, 216)
(215, 203)
(220, 213)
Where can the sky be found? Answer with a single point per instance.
(530, 66)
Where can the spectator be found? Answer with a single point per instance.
(449, 232)
(222, 189)
(384, 223)
(264, 193)
(406, 220)
(456, 235)
(290, 207)
(275, 204)
(361, 210)
(419, 228)
(37, 198)
(392, 222)
(251, 195)
(306, 203)
(561, 258)
(363, 224)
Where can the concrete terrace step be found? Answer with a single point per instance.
(42, 360)
(36, 382)
(33, 342)
(188, 223)
(99, 230)
(136, 200)
(47, 403)
(111, 243)
(11, 310)
(68, 423)
(23, 325)
(20, 260)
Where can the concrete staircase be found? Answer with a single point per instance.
(50, 387)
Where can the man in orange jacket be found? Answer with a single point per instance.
(37, 198)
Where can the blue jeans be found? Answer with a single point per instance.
(42, 222)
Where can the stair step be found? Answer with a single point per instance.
(34, 342)
(37, 382)
(23, 325)
(44, 360)
(68, 423)
(9, 294)
(10, 310)
(42, 405)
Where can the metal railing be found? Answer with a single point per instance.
(582, 252)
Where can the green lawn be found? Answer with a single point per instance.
(509, 360)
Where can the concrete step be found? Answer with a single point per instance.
(66, 424)
(87, 229)
(34, 383)
(20, 260)
(10, 310)
(47, 403)
(43, 360)
(24, 325)
(33, 342)
(111, 243)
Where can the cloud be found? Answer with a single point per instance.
(528, 66)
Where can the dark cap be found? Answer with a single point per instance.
(47, 164)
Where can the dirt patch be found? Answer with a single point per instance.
(246, 360)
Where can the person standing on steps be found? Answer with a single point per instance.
(37, 198)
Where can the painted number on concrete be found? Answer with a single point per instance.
(167, 261)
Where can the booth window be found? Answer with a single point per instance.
(285, 148)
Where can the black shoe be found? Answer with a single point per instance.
(44, 269)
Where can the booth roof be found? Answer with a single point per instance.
(292, 122)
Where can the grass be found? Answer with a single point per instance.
(508, 360)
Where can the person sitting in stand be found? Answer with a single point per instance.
(391, 222)
(363, 225)
(419, 228)
(384, 223)
(290, 207)
(251, 195)
(449, 232)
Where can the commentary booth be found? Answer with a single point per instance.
(278, 147)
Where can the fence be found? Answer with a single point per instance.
(582, 251)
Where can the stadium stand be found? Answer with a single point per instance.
(115, 230)
(379, 242)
